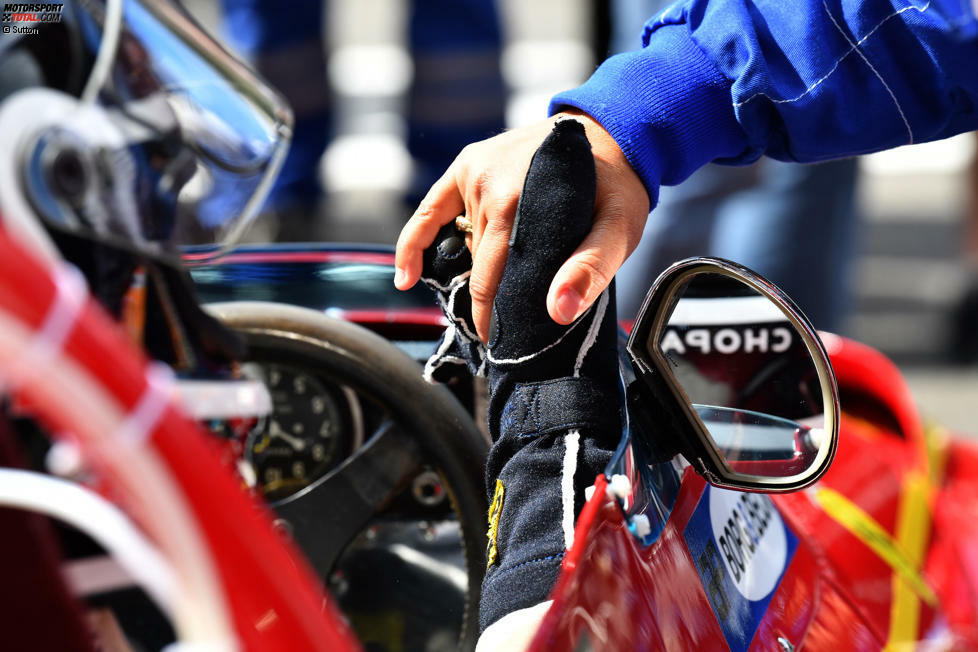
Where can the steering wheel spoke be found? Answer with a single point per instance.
(328, 514)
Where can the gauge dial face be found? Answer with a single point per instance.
(307, 433)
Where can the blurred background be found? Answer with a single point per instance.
(916, 244)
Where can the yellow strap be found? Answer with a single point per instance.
(865, 528)
(912, 532)
(905, 552)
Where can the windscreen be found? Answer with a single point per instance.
(203, 136)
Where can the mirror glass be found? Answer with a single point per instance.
(748, 373)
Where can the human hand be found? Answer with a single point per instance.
(484, 183)
(553, 388)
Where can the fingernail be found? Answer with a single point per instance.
(399, 276)
(569, 305)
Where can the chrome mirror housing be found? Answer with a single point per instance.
(739, 374)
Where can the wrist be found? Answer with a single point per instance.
(610, 162)
(602, 142)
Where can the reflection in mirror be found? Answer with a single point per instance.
(760, 444)
(748, 373)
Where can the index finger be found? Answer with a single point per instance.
(441, 205)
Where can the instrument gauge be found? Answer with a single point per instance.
(314, 424)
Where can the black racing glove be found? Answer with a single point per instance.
(553, 390)
(446, 268)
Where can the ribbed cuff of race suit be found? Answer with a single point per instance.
(553, 390)
(667, 106)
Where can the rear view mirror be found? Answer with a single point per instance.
(740, 375)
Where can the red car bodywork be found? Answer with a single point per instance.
(886, 550)
(274, 600)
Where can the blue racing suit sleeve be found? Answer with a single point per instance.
(731, 80)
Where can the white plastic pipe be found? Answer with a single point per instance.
(111, 29)
(87, 511)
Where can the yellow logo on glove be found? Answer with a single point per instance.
(495, 509)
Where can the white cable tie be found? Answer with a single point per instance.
(641, 526)
(71, 294)
(621, 486)
(149, 409)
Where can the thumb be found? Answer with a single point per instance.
(592, 266)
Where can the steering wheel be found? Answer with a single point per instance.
(424, 428)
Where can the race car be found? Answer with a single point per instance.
(728, 395)
(867, 557)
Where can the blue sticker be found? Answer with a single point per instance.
(741, 548)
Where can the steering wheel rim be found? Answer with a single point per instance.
(427, 422)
